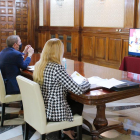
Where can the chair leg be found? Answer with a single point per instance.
(59, 134)
(79, 132)
(23, 130)
(43, 137)
(26, 131)
(2, 114)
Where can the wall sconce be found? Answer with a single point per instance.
(102, 1)
(59, 2)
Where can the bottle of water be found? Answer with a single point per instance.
(64, 63)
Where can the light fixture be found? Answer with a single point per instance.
(59, 2)
(102, 1)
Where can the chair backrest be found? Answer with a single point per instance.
(33, 104)
(2, 89)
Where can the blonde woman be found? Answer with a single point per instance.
(55, 84)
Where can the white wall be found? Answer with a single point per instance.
(62, 15)
(110, 13)
(40, 12)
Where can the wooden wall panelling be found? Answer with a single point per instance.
(7, 21)
(36, 42)
(39, 42)
(104, 49)
(29, 25)
(34, 24)
(88, 46)
(46, 13)
(103, 46)
(80, 29)
(75, 45)
(137, 13)
(114, 49)
(22, 21)
(47, 35)
(43, 36)
(125, 45)
(107, 46)
(62, 37)
(130, 14)
(65, 31)
(67, 45)
(77, 8)
(67, 37)
(100, 47)
(56, 35)
(64, 40)
(113, 46)
(36, 13)
(82, 14)
(53, 33)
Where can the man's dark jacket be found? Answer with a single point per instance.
(11, 61)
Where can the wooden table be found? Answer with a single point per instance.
(98, 97)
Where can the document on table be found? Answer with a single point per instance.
(31, 68)
(107, 83)
(110, 83)
(78, 78)
(96, 81)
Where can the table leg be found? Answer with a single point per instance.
(95, 138)
(122, 131)
(101, 124)
(100, 121)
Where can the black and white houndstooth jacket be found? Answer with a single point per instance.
(55, 88)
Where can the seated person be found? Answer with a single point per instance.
(55, 84)
(11, 61)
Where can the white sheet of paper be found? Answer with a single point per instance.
(78, 78)
(93, 86)
(110, 83)
(31, 68)
(96, 80)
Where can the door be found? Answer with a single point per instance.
(13, 20)
(7, 21)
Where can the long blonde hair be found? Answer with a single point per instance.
(52, 52)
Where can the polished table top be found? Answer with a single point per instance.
(97, 96)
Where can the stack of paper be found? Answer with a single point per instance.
(78, 78)
(107, 83)
(96, 81)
